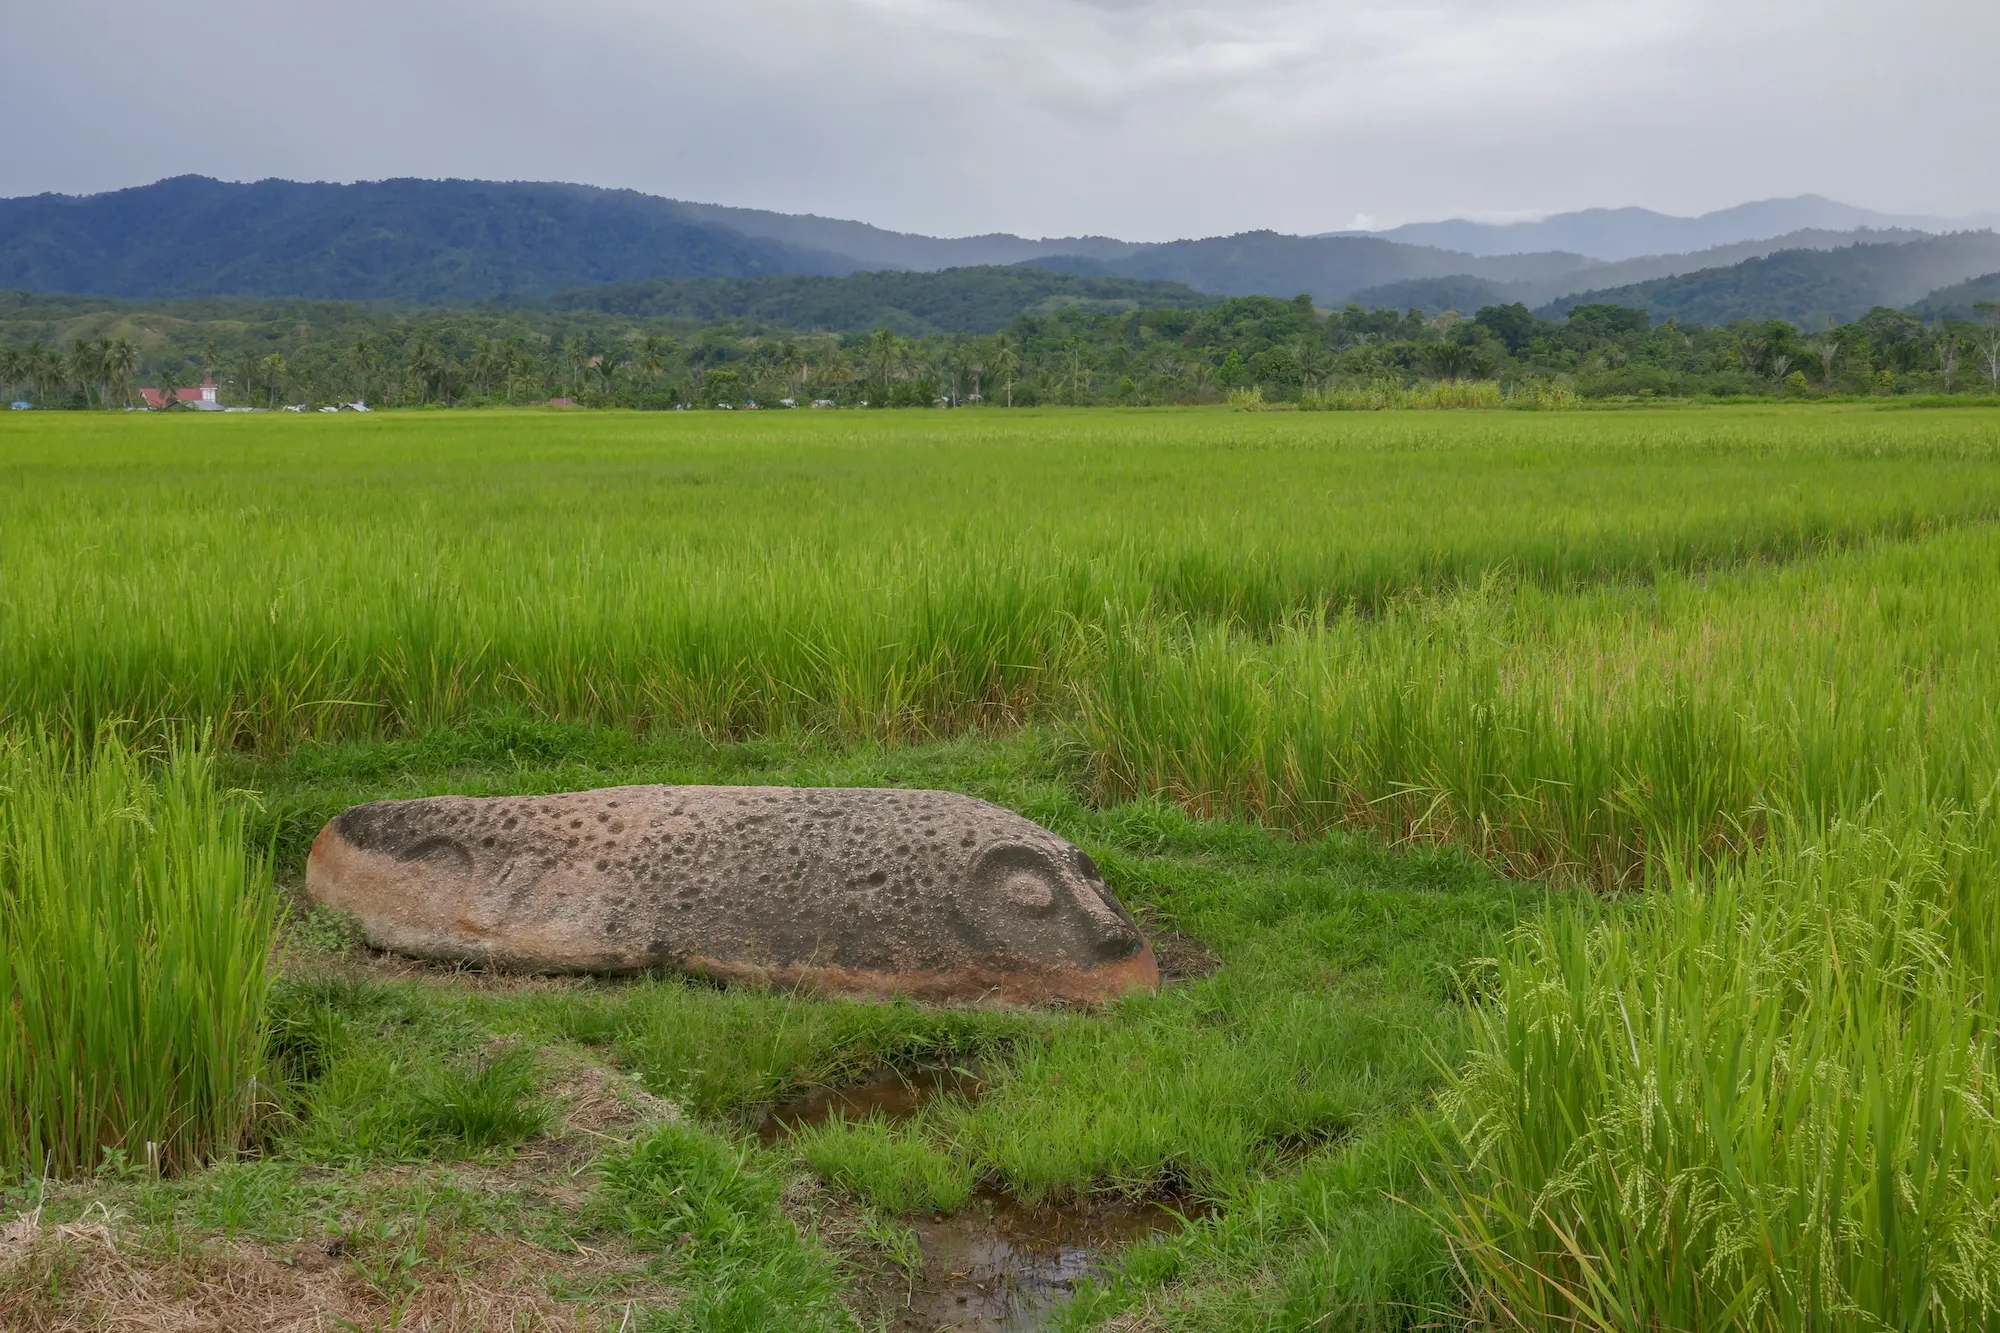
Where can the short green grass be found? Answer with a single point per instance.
(1336, 993)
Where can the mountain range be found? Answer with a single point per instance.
(1810, 288)
(1612, 234)
(461, 242)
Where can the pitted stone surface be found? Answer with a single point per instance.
(927, 894)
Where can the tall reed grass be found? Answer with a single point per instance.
(135, 928)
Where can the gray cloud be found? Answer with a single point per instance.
(1143, 118)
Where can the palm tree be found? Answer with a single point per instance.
(13, 368)
(653, 354)
(1005, 361)
(246, 374)
(121, 362)
(1073, 381)
(607, 374)
(84, 367)
(577, 353)
(427, 368)
(836, 369)
(273, 368)
(1750, 352)
(513, 365)
(885, 351)
(1310, 362)
(45, 371)
(101, 359)
(487, 364)
(362, 360)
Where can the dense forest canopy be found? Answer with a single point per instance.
(1811, 288)
(961, 300)
(87, 352)
(409, 240)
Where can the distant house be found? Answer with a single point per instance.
(202, 399)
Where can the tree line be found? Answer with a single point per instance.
(1253, 348)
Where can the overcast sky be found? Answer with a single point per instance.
(1149, 119)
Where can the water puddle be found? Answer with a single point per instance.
(1000, 1266)
(892, 1094)
(997, 1265)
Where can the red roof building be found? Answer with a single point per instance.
(201, 398)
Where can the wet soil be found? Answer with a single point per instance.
(891, 1094)
(997, 1265)
(1001, 1266)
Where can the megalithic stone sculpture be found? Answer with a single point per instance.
(924, 894)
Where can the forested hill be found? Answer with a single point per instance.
(958, 300)
(1330, 268)
(1961, 300)
(458, 242)
(461, 243)
(401, 240)
(1809, 288)
(1628, 233)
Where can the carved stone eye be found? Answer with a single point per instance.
(1028, 891)
(1021, 877)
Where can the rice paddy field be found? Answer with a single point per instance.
(1573, 837)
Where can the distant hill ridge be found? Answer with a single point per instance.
(1450, 293)
(1612, 234)
(1810, 288)
(459, 242)
(406, 240)
(455, 240)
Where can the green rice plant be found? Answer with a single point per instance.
(900, 578)
(135, 927)
(1584, 734)
(1768, 1098)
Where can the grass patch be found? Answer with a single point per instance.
(895, 1170)
(713, 1214)
(1339, 968)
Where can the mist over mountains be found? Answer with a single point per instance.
(1612, 234)
(448, 242)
